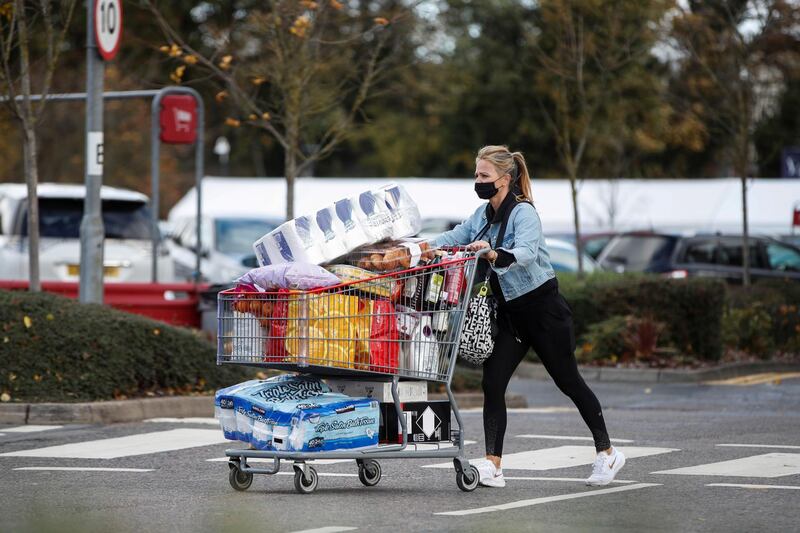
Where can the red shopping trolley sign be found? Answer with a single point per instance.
(178, 119)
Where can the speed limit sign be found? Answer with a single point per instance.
(108, 27)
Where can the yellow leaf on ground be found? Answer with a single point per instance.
(27, 321)
(5, 397)
(156, 331)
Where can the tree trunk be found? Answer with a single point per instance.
(576, 218)
(290, 170)
(32, 180)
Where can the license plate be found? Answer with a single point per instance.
(108, 271)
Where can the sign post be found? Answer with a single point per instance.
(103, 36)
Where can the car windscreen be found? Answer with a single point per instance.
(60, 218)
(235, 236)
(638, 252)
(566, 260)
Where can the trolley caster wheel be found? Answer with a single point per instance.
(369, 472)
(303, 485)
(467, 480)
(239, 480)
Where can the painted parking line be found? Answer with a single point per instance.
(563, 437)
(749, 486)
(31, 428)
(547, 499)
(756, 379)
(189, 420)
(327, 529)
(562, 457)
(140, 444)
(566, 479)
(768, 465)
(81, 469)
(777, 446)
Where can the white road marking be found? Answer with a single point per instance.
(141, 444)
(525, 410)
(2, 434)
(327, 529)
(569, 479)
(564, 437)
(190, 420)
(561, 457)
(30, 429)
(778, 446)
(747, 486)
(547, 499)
(264, 460)
(82, 469)
(767, 465)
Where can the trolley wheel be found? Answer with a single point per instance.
(239, 480)
(467, 480)
(369, 472)
(303, 485)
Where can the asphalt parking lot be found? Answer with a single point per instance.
(701, 458)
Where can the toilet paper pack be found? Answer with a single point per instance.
(299, 240)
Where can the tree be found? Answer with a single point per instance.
(584, 58)
(20, 70)
(299, 70)
(731, 52)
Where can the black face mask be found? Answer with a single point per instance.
(486, 190)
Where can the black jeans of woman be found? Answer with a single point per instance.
(543, 323)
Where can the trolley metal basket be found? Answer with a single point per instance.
(399, 326)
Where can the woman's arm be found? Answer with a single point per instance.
(527, 238)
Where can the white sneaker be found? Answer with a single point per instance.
(490, 475)
(605, 468)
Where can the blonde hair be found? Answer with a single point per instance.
(507, 162)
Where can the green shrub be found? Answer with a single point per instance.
(772, 304)
(749, 329)
(53, 348)
(691, 309)
(622, 338)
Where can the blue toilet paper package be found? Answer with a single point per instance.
(224, 409)
(298, 413)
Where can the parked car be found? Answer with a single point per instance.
(564, 257)
(701, 255)
(593, 243)
(227, 245)
(126, 221)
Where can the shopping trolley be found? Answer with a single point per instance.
(402, 325)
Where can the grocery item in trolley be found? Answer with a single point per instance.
(297, 275)
(405, 217)
(336, 229)
(298, 240)
(387, 287)
(298, 413)
(224, 410)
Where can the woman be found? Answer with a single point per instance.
(531, 312)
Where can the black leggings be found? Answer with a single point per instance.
(544, 324)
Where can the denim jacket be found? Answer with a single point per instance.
(523, 238)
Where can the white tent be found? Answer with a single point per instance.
(702, 205)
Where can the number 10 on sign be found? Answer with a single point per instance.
(108, 27)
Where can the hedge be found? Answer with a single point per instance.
(690, 310)
(53, 348)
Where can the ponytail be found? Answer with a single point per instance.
(507, 162)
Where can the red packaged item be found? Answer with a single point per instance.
(276, 332)
(454, 282)
(384, 343)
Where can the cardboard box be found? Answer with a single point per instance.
(425, 422)
(409, 391)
